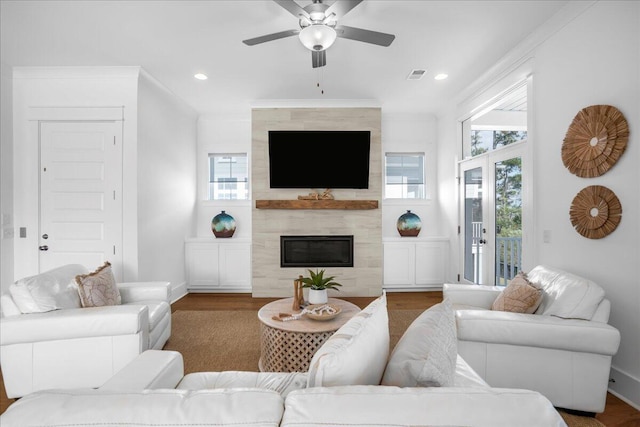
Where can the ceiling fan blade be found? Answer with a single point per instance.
(293, 8)
(342, 7)
(367, 36)
(270, 37)
(318, 58)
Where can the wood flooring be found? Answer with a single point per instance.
(617, 413)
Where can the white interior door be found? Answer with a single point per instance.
(80, 194)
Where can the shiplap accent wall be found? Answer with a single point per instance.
(269, 280)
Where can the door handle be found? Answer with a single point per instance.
(43, 248)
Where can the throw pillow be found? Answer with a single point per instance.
(99, 288)
(520, 296)
(54, 289)
(426, 354)
(357, 353)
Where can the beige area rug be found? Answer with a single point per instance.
(230, 341)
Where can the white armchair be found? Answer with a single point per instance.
(46, 341)
(563, 350)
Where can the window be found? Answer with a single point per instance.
(500, 124)
(404, 176)
(228, 177)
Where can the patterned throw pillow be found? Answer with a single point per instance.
(520, 296)
(99, 288)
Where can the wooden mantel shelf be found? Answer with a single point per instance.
(317, 204)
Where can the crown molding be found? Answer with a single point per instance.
(72, 72)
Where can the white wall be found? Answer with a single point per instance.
(6, 178)
(69, 87)
(412, 133)
(572, 72)
(166, 181)
(593, 59)
(447, 155)
(222, 134)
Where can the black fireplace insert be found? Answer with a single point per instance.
(316, 251)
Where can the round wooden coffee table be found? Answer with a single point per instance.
(289, 346)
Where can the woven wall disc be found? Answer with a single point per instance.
(595, 212)
(595, 140)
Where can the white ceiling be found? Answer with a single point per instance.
(173, 40)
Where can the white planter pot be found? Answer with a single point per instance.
(318, 297)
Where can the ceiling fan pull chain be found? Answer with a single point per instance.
(319, 71)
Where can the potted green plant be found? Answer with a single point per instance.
(318, 285)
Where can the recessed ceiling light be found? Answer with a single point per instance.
(200, 76)
(441, 76)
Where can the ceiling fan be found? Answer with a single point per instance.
(318, 28)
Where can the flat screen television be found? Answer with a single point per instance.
(319, 159)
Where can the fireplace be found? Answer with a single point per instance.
(316, 251)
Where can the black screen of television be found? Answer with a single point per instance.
(319, 159)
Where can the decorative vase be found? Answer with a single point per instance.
(318, 296)
(223, 225)
(409, 224)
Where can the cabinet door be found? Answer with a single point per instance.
(399, 264)
(202, 265)
(235, 267)
(431, 263)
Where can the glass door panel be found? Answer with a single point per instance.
(473, 225)
(508, 219)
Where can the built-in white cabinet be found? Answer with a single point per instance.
(414, 264)
(218, 265)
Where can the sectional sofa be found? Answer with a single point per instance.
(352, 381)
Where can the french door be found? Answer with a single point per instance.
(491, 216)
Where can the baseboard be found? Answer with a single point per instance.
(625, 387)
(178, 291)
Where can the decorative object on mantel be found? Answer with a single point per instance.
(595, 140)
(409, 224)
(326, 195)
(595, 212)
(223, 225)
(298, 297)
(318, 285)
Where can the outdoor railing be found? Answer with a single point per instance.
(508, 259)
(508, 256)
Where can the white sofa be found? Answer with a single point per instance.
(563, 350)
(152, 391)
(48, 341)
(342, 388)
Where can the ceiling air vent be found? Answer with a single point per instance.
(416, 74)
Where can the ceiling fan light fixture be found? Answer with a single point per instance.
(317, 37)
